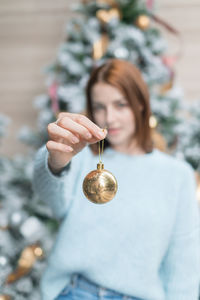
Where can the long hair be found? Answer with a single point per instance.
(128, 80)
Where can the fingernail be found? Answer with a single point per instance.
(69, 149)
(88, 135)
(75, 140)
(100, 134)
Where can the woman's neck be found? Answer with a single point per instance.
(129, 149)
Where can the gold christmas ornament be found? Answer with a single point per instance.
(159, 141)
(153, 121)
(25, 263)
(142, 22)
(106, 16)
(100, 47)
(6, 227)
(5, 297)
(166, 87)
(108, 2)
(100, 186)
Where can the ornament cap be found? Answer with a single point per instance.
(100, 166)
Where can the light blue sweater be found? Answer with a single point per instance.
(144, 243)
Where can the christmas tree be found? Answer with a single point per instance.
(102, 29)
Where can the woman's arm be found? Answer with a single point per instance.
(181, 265)
(54, 189)
(68, 137)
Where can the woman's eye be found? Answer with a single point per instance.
(98, 107)
(122, 104)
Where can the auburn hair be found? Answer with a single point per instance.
(128, 80)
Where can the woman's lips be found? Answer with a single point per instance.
(113, 131)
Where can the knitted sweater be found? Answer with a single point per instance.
(144, 243)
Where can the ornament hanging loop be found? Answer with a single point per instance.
(100, 166)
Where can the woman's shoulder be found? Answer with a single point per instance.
(175, 165)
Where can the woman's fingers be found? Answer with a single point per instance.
(55, 146)
(76, 129)
(71, 132)
(81, 127)
(91, 126)
(95, 130)
(61, 135)
(68, 136)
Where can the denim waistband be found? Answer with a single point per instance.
(80, 281)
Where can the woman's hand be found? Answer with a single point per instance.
(68, 136)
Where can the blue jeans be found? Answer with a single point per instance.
(82, 288)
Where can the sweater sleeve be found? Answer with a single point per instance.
(56, 191)
(181, 265)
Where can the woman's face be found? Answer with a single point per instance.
(112, 110)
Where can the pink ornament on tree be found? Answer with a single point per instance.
(54, 97)
(149, 4)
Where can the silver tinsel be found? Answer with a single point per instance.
(74, 97)
(8, 244)
(76, 48)
(5, 268)
(121, 52)
(24, 285)
(91, 30)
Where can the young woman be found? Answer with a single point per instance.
(144, 243)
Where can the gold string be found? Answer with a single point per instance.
(101, 150)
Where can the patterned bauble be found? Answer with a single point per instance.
(100, 186)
